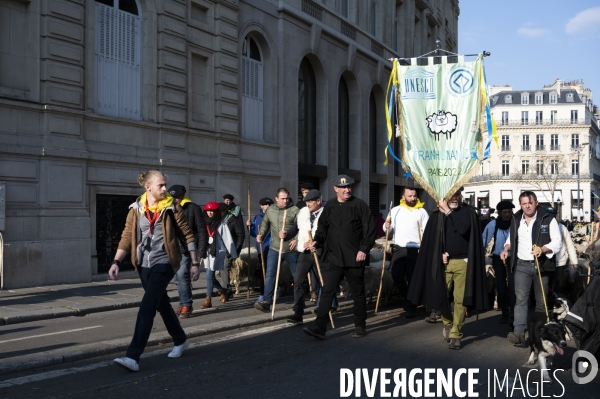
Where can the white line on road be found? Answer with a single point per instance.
(60, 373)
(45, 335)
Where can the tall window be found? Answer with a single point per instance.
(504, 118)
(373, 18)
(554, 142)
(554, 167)
(553, 98)
(553, 116)
(344, 8)
(539, 167)
(538, 99)
(343, 125)
(524, 99)
(396, 29)
(505, 142)
(574, 117)
(118, 54)
(525, 167)
(524, 117)
(574, 141)
(539, 142)
(574, 167)
(526, 143)
(372, 134)
(505, 169)
(252, 90)
(539, 117)
(307, 114)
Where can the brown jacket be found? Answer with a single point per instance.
(174, 224)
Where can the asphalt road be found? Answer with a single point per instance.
(276, 360)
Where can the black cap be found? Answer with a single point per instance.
(306, 186)
(223, 206)
(228, 196)
(504, 205)
(265, 201)
(176, 190)
(312, 195)
(343, 181)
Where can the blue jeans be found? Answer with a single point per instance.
(290, 257)
(525, 275)
(211, 281)
(183, 281)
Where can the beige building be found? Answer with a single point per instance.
(220, 95)
(549, 140)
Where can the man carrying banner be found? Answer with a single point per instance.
(407, 223)
(454, 259)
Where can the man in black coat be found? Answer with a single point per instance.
(451, 256)
(232, 215)
(195, 219)
(346, 232)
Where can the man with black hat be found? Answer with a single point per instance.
(304, 189)
(254, 230)
(195, 220)
(346, 232)
(454, 260)
(233, 217)
(498, 231)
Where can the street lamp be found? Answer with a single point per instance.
(579, 216)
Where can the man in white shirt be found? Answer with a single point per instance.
(406, 223)
(534, 233)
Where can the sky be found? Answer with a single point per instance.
(534, 42)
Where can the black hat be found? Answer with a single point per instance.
(176, 190)
(343, 181)
(265, 201)
(312, 195)
(228, 196)
(551, 210)
(306, 186)
(504, 205)
(223, 206)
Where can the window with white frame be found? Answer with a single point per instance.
(539, 117)
(539, 167)
(505, 142)
(553, 117)
(524, 117)
(574, 141)
(504, 118)
(525, 167)
(505, 168)
(553, 98)
(118, 58)
(539, 142)
(538, 99)
(525, 143)
(554, 142)
(554, 167)
(252, 90)
(574, 167)
(524, 99)
(574, 117)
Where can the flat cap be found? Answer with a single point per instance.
(343, 181)
(307, 186)
(176, 190)
(228, 196)
(265, 201)
(504, 205)
(312, 195)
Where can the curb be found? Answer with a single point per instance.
(88, 351)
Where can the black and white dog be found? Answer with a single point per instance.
(545, 340)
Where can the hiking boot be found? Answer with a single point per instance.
(262, 306)
(223, 295)
(295, 319)
(207, 303)
(314, 331)
(504, 319)
(454, 344)
(359, 332)
(446, 332)
(186, 311)
(517, 339)
(433, 317)
(178, 311)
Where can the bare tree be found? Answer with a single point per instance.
(542, 172)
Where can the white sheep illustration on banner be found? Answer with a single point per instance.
(441, 122)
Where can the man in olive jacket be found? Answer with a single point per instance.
(151, 236)
(273, 220)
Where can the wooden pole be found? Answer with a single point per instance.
(262, 261)
(419, 232)
(278, 267)
(310, 237)
(248, 290)
(387, 232)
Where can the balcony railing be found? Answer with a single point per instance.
(555, 147)
(520, 176)
(545, 122)
(505, 148)
(540, 147)
(525, 148)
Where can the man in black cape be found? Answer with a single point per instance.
(432, 279)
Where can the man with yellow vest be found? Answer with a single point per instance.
(406, 223)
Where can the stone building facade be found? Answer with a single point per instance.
(219, 95)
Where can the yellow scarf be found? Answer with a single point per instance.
(185, 200)
(168, 201)
(418, 205)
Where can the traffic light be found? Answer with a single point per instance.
(478, 203)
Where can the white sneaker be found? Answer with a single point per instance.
(178, 350)
(127, 363)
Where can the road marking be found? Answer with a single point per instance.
(60, 373)
(45, 335)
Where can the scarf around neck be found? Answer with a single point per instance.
(418, 205)
(165, 203)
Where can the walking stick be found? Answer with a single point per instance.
(387, 233)
(419, 232)
(262, 261)
(278, 267)
(248, 290)
(537, 265)
(310, 238)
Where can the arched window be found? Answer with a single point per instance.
(252, 90)
(307, 114)
(343, 125)
(118, 54)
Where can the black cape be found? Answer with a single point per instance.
(428, 284)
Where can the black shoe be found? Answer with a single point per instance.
(504, 319)
(295, 319)
(359, 332)
(262, 306)
(410, 314)
(314, 331)
(517, 339)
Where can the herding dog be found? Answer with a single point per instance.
(545, 339)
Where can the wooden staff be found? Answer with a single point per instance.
(248, 290)
(387, 233)
(278, 266)
(262, 261)
(310, 238)
(419, 232)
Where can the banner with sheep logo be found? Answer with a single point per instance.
(438, 110)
